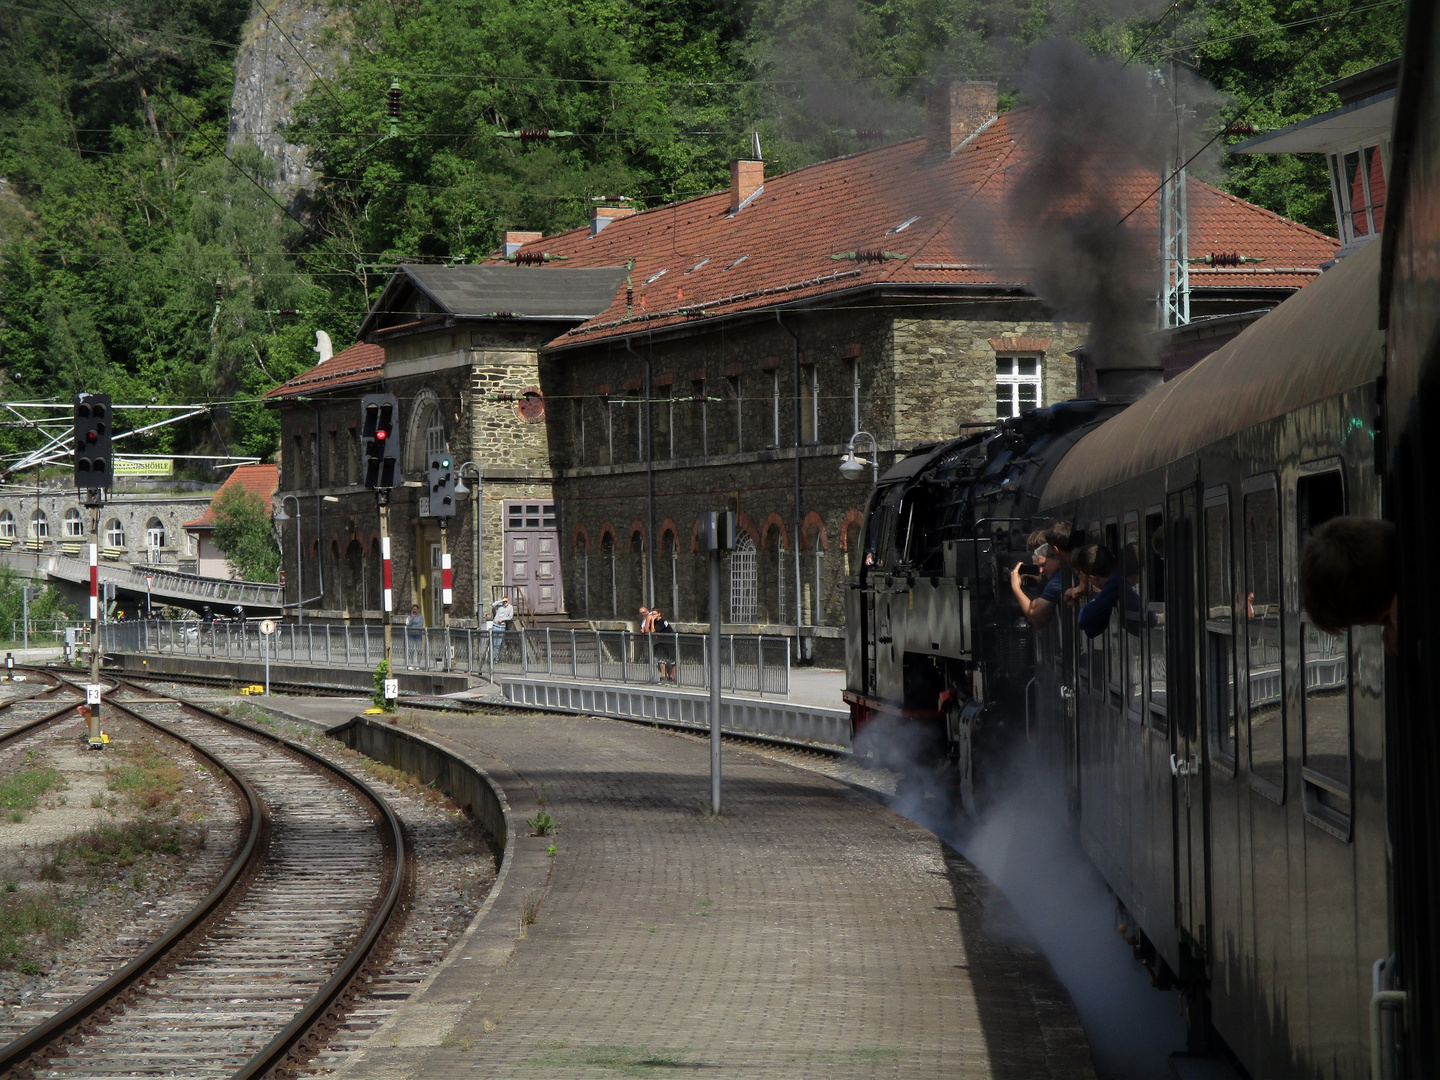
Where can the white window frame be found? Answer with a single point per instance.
(39, 525)
(7, 525)
(1013, 380)
(1340, 191)
(775, 401)
(74, 526)
(114, 533)
(154, 528)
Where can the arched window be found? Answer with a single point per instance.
(434, 431)
(670, 543)
(114, 533)
(74, 526)
(7, 525)
(426, 431)
(743, 584)
(155, 533)
(39, 526)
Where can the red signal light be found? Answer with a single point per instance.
(380, 434)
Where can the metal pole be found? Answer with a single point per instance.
(95, 739)
(25, 617)
(714, 682)
(267, 663)
(383, 497)
(447, 582)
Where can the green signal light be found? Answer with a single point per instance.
(445, 463)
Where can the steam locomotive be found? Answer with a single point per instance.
(1260, 795)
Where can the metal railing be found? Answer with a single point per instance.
(749, 663)
(171, 583)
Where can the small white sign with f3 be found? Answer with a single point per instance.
(92, 694)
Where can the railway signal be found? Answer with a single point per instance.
(380, 439)
(94, 462)
(442, 486)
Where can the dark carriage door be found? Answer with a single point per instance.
(1186, 726)
(532, 555)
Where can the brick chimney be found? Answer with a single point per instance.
(747, 179)
(604, 215)
(514, 241)
(954, 111)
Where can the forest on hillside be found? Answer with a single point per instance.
(140, 257)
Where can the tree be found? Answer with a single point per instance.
(244, 534)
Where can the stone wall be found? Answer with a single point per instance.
(478, 383)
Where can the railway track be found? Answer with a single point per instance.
(253, 979)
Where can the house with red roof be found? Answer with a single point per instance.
(613, 382)
(259, 480)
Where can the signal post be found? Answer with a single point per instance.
(380, 451)
(442, 506)
(94, 475)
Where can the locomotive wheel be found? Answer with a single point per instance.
(964, 758)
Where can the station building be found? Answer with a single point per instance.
(614, 382)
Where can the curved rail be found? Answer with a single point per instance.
(315, 1010)
(84, 1009)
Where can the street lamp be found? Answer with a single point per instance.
(460, 491)
(281, 516)
(852, 467)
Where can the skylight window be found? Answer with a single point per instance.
(737, 262)
(697, 266)
(656, 276)
(903, 225)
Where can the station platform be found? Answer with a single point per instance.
(808, 931)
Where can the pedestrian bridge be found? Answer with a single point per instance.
(165, 586)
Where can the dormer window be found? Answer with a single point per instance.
(1357, 182)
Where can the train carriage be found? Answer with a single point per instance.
(1229, 772)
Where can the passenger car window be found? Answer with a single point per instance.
(1153, 551)
(1325, 731)
(1263, 650)
(1133, 617)
(1219, 632)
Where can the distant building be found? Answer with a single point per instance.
(615, 381)
(1355, 140)
(259, 480)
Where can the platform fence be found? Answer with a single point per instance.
(749, 663)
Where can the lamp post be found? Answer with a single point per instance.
(462, 490)
(852, 467)
(280, 537)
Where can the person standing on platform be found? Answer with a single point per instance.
(414, 635)
(502, 612)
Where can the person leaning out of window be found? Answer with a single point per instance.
(1347, 577)
(1041, 609)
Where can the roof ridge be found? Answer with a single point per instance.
(1263, 209)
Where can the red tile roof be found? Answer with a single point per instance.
(357, 364)
(946, 220)
(261, 480)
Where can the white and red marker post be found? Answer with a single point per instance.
(92, 694)
(383, 498)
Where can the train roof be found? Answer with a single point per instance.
(1320, 342)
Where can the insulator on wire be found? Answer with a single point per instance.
(534, 134)
(529, 258)
(219, 291)
(392, 105)
(1239, 129)
(870, 255)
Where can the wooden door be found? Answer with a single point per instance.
(532, 555)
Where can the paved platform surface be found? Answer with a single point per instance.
(806, 932)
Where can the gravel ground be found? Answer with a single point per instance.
(120, 908)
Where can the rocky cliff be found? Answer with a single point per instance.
(284, 46)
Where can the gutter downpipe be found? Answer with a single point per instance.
(649, 483)
(319, 530)
(799, 516)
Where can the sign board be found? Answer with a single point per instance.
(392, 689)
(281, 582)
(267, 626)
(424, 508)
(92, 694)
(144, 467)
